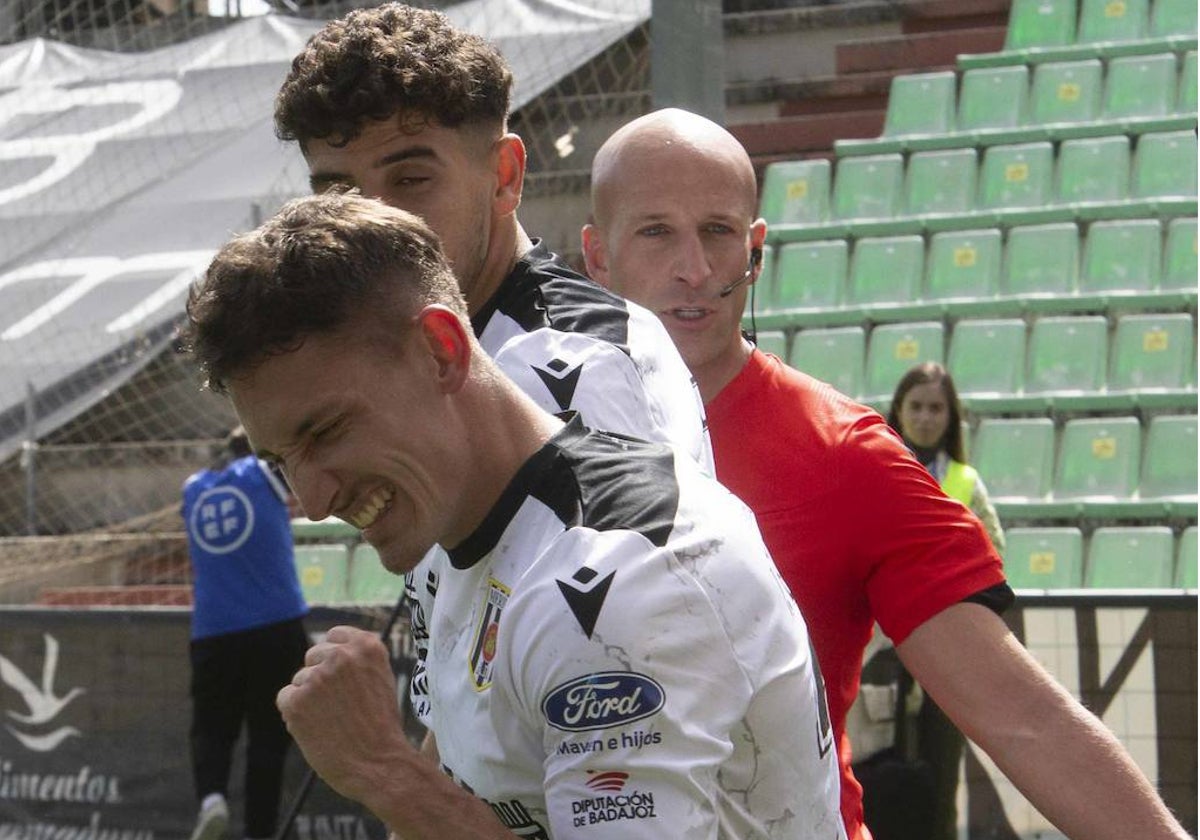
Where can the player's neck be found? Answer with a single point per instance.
(714, 375)
(508, 243)
(516, 430)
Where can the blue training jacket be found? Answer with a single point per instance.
(240, 542)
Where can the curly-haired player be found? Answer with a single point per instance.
(398, 103)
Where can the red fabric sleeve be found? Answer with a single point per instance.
(923, 551)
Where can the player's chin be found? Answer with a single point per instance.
(397, 555)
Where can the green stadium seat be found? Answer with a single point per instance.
(772, 341)
(810, 274)
(921, 103)
(993, 98)
(1152, 351)
(987, 356)
(1016, 176)
(963, 264)
(1140, 86)
(941, 182)
(1113, 20)
(868, 187)
(1067, 354)
(1041, 260)
(1044, 558)
(1169, 465)
(796, 191)
(1066, 92)
(1123, 255)
(1092, 169)
(833, 355)
(370, 582)
(1173, 18)
(323, 572)
(1187, 85)
(894, 348)
(1040, 23)
(1098, 457)
(1179, 261)
(1185, 561)
(1130, 558)
(1164, 164)
(1015, 456)
(887, 269)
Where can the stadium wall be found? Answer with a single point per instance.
(96, 706)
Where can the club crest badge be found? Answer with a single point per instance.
(483, 648)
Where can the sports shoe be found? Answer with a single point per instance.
(213, 819)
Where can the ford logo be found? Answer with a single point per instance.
(599, 701)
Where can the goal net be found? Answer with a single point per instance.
(135, 138)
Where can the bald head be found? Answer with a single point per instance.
(673, 228)
(659, 145)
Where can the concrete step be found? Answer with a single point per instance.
(162, 595)
(909, 52)
(855, 49)
(806, 134)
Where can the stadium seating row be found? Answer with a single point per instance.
(1056, 363)
(1098, 467)
(1121, 265)
(1047, 30)
(1035, 558)
(1091, 178)
(989, 106)
(1115, 558)
(333, 573)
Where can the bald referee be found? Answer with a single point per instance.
(611, 652)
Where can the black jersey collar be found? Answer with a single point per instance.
(537, 256)
(484, 538)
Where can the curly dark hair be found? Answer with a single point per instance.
(318, 264)
(377, 62)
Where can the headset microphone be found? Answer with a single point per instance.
(755, 259)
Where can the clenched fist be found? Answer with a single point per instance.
(342, 709)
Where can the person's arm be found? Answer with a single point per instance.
(1058, 754)
(341, 708)
(981, 506)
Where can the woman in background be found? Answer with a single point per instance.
(926, 413)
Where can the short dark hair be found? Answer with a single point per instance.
(320, 262)
(237, 443)
(932, 373)
(377, 62)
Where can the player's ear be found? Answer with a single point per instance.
(758, 240)
(510, 173)
(446, 340)
(594, 255)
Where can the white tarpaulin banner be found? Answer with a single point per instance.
(121, 174)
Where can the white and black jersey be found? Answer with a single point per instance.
(613, 654)
(571, 344)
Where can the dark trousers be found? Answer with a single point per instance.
(941, 745)
(235, 678)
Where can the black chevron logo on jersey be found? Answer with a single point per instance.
(586, 603)
(560, 380)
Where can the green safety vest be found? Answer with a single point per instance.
(959, 481)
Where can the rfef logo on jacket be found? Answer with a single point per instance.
(222, 519)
